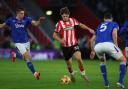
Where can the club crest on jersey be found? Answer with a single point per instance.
(68, 28)
(19, 25)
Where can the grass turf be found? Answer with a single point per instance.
(17, 76)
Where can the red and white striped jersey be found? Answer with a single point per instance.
(67, 31)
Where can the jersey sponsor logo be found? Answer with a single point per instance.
(68, 28)
(19, 25)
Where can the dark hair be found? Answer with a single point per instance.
(108, 15)
(19, 9)
(64, 10)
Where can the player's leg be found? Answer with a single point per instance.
(77, 55)
(16, 54)
(126, 55)
(27, 58)
(121, 71)
(67, 55)
(99, 49)
(103, 70)
(23, 48)
(36, 74)
(117, 54)
(70, 69)
(19, 55)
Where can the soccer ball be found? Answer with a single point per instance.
(65, 80)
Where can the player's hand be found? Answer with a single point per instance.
(41, 19)
(92, 31)
(62, 40)
(92, 55)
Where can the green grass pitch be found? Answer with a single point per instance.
(17, 76)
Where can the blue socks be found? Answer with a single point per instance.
(104, 73)
(122, 72)
(18, 54)
(30, 66)
(121, 75)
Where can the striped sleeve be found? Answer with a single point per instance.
(76, 22)
(58, 27)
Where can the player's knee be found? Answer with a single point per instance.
(122, 59)
(78, 57)
(26, 56)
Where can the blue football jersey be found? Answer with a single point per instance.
(19, 32)
(104, 31)
(124, 29)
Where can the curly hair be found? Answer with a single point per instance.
(64, 10)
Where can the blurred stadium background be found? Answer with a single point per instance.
(89, 12)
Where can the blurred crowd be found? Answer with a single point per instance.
(118, 8)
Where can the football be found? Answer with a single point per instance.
(65, 80)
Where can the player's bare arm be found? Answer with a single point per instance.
(2, 25)
(92, 41)
(56, 37)
(38, 22)
(114, 36)
(83, 26)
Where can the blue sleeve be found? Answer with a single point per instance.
(29, 20)
(116, 26)
(8, 22)
(96, 30)
(124, 28)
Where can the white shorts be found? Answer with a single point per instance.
(23, 47)
(107, 48)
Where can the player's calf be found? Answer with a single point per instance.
(72, 74)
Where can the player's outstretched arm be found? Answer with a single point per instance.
(92, 41)
(38, 22)
(2, 25)
(83, 26)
